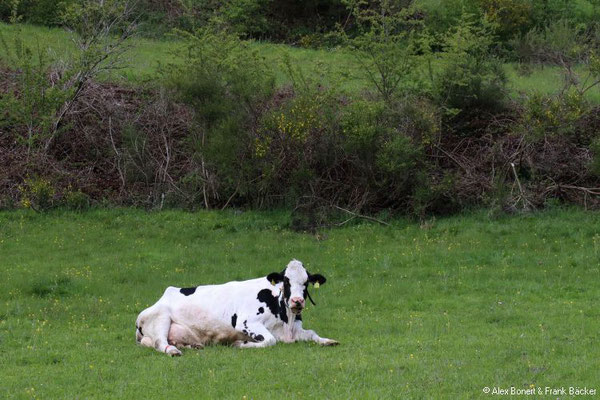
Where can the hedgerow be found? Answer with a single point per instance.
(216, 132)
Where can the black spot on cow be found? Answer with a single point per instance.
(233, 320)
(187, 290)
(276, 306)
(287, 288)
(260, 310)
(246, 324)
(140, 329)
(255, 337)
(265, 296)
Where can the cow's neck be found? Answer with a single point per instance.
(288, 327)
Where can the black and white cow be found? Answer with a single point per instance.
(253, 313)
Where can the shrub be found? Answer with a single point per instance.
(545, 115)
(226, 83)
(440, 16)
(575, 52)
(382, 46)
(470, 79)
(42, 12)
(75, 199)
(247, 18)
(315, 150)
(37, 193)
(33, 105)
(509, 17)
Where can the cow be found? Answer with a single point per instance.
(252, 313)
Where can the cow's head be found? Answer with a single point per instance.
(295, 280)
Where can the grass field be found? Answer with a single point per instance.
(143, 61)
(420, 313)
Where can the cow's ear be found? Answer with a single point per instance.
(317, 278)
(275, 277)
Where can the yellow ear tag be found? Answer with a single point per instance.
(273, 283)
(317, 285)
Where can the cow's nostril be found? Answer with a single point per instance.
(297, 302)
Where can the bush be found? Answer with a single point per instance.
(470, 79)
(509, 17)
(317, 151)
(383, 46)
(248, 18)
(75, 199)
(227, 84)
(42, 12)
(545, 115)
(32, 106)
(37, 193)
(440, 16)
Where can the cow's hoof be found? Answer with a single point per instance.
(173, 351)
(329, 342)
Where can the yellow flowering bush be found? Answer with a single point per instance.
(553, 115)
(37, 193)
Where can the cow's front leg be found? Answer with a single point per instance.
(257, 331)
(301, 334)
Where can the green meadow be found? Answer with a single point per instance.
(143, 61)
(437, 311)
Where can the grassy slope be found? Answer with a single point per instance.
(436, 313)
(144, 59)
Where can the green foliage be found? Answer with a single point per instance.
(397, 156)
(434, 195)
(362, 124)
(382, 47)
(42, 12)
(31, 108)
(14, 12)
(247, 18)
(568, 47)
(552, 115)
(576, 53)
(294, 143)
(225, 81)
(282, 20)
(508, 17)
(90, 17)
(470, 78)
(75, 200)
(442, 15)
(372, 148)
(558, 43)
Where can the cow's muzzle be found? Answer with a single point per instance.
(296, 304)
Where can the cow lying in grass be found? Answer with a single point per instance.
(253, 313)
